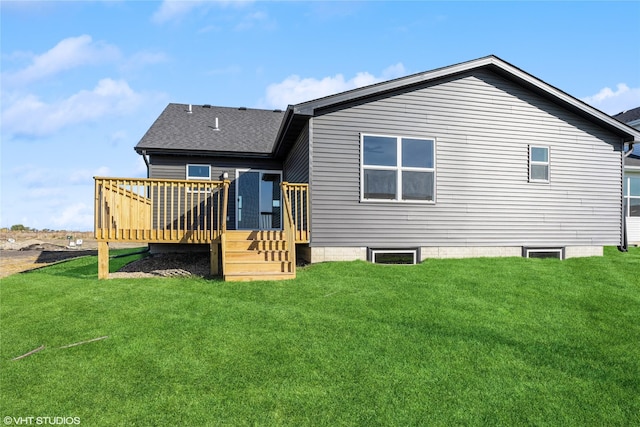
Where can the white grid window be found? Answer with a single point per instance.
(632, 196)
(397, 168)
(538, 164)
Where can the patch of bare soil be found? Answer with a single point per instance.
(167, 265)
(58, 240)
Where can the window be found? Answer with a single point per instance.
(394, 256)
(397, 169)
(538, 164)
(543, 253)
(198, 172)
(632, 196)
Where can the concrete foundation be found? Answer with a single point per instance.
(582, 251)
(323, 254)
(470, 252)
(337, 254)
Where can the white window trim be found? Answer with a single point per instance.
(208, 178)
(526, 251)
(412, 251)
(197, 178)
(538, 163)
(627, 194)
(398, 169)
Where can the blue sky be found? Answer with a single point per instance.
(82, 81)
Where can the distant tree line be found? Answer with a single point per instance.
(21, 227)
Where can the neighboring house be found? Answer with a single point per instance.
(632, 180)
(475, 159)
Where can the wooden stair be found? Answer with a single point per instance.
(257, 255)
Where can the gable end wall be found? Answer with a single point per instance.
(483, 125)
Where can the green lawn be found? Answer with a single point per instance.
(491, 342)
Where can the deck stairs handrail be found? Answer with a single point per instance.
(296, 198)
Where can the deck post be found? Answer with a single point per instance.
(223, 242)
(103, 260)
(214, 253)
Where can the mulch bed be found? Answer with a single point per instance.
(167, 265)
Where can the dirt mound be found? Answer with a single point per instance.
(42, 246)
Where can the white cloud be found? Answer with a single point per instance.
(394, 71)
(171, 10)
(67, 54)
(615, 101)
(32, 176)
(48, 197)
(294, 89)
(141, 59)
(46, 192)
(31, 116)
(174, 9)
(77, 216)
(209, 28)
(82, 176)
(255, 19)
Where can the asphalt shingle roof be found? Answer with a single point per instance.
(628, 116)
(248, 131)
(240, 130)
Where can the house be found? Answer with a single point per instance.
(474, 159)
(631, 186)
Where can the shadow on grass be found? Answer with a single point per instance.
(124, 260)
(81, 263)
(47, 257)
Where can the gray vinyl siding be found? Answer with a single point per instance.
(173, 167)
(483, 125)
(296, 166)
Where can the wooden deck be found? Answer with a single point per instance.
(195, 212)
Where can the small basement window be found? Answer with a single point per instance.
(394, 256)
(557, 253)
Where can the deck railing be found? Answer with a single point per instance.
(296, 197)
(289, 228)
(158, 210)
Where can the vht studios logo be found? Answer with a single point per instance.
(41, 421)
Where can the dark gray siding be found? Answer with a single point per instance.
(174, 167)
(296, 166)
(483, 125)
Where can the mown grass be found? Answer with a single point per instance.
(449, 342)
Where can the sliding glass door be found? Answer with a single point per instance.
(258, 200)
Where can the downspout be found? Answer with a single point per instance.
(624, 247)
(146, 161)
